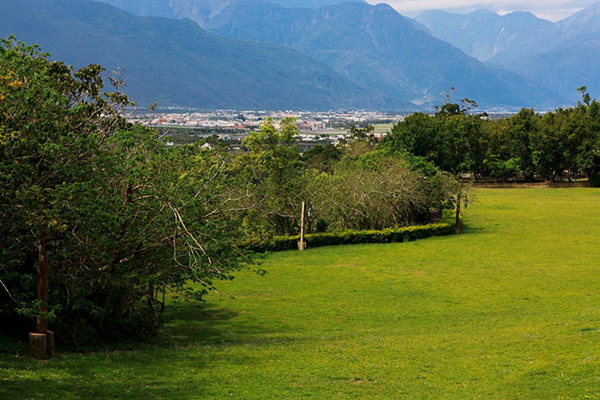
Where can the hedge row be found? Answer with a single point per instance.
(393, 235)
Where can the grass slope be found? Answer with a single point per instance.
(510, 310)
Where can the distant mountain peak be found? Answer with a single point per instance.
(521, 15)
(376, 47)
(582, 22)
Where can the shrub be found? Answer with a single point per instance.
(322, 225)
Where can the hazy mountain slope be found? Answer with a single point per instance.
(178, 63)
(377, 47)
(565, 58)
(566, 68)
(563, 55)
(146, 8)
(483, 34)
(581, 24)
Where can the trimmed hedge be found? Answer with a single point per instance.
(392, 235)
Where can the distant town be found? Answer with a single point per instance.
(229, 126)
(181, 126)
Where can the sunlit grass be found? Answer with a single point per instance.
(509, 310)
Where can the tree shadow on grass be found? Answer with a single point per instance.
(123, 375)
(199, 325)
(173, 365)
(210, 325)
(471, 229)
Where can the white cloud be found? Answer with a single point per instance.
(549, 9)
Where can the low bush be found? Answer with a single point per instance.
(392, 235)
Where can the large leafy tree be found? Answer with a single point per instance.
(135, 218)
(451, 139)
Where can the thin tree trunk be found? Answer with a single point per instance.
(43, 278)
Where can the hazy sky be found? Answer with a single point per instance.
(553, 10)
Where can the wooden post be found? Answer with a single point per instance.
(302, 243)
(457, 226)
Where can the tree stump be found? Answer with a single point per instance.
(38, 346)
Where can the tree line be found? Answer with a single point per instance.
(560, 144)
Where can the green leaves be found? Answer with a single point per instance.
(526, 144)
(134, 217)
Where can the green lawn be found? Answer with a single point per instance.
(509, 310)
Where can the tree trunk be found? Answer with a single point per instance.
(43, 277)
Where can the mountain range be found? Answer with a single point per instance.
(326, 54)
(373, 46)
(177, 63)
(376, 47)
(562, 55)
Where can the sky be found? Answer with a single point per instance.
(553, 10)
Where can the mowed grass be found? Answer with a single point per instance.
(509, 310)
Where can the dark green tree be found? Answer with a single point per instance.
(135, 219)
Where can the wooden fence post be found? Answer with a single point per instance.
(302, 243)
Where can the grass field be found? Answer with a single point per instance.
(509, 310)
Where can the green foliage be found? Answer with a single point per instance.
(364, 134)
(390, 235)
(135, 219)
(450, 139)
(527, 145)
(273, 170)
(349, 189)
(321, 225)
(322, 158)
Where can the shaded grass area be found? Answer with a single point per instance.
(509, 310)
